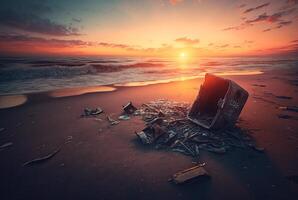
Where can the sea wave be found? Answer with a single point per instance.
(26, 75)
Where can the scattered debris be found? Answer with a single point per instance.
(98, 119)
(284, 97)
(124, 117)
(112, 121)
(92, 112)
(6, 145)
(2, 129)
(181, 135)
(282, 116)
(150, 134)
(259, 85)
(189, 174)
(42, 159)
(129, 108)
(218, 104)
(289, 108)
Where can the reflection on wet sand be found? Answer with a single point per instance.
(12, 101)
(79, 91)
(143, 83)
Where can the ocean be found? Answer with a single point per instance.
(39, 74)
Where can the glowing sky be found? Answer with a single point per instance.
(149, 27)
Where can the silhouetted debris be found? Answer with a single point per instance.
(129, 108)
(283, 116)
(112, 121)
(218, 103)
(6, 145)
(183, 136)
(92, 112)
(124, 117)
(189, 174)
(284, 97)
(42, 159)
(289, 108)
(150, 134)
(259, 85)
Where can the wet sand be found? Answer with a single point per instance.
(103, 162)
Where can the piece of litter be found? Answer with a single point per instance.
(129, 108)
(124, 117)
(189, 174)
(284, 97)
(259, 85)
(289, 108)
(112, 121)
(218, 104)
(42, 159)
(6, 145)
(92, 112)
(282, 116)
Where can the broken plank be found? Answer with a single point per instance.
(189, 174)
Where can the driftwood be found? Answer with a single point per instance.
(42, 159)
(189, 174)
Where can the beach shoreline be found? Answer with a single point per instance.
(109, 162)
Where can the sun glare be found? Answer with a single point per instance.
(182, 55)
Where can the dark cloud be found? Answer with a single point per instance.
(283, 23)
(271, 18)
(187, 41)
(279, 25)
(114, 45)
(21, 38)
(256, 8)
(275, 18)
(294, 41)
(29, 16)
(237, 46)
(30, 40)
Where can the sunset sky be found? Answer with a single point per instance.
(149, 27)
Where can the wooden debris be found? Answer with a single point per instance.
(42, 159)
(189, 174)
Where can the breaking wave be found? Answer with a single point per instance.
(26, 75)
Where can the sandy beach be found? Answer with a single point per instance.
(109, 162)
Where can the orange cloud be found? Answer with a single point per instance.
(187, 41)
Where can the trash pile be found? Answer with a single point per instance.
(168, 127)
(209, 124)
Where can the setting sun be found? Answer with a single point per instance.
(183, 56)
